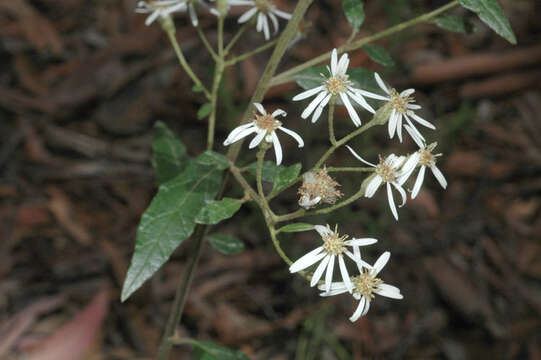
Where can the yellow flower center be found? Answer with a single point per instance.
(335, 85)
(334, 243)
(365, 284)
(263, 6)
(267, 122)
(426, 158)
(386, 172)
(400, 103)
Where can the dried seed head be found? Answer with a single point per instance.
(318, 184)
(365, 284)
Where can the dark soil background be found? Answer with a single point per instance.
(82, 83)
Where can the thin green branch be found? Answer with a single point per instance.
(286, 76)
(237, 36)
(241, 57)
(332, 102)
(350, 169)
(206, 43)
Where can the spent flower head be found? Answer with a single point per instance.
(264, 126)
(338, 85)
(334, 246)
(365, 286)
(318, 187)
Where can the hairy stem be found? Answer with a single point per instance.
(332, 138)
(286, 76)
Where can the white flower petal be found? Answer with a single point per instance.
(257, 139)
(439, 176)
(334, 61)
(278, 112)
(274, 20)
(418, 182)
(407, 93)
(402, 193)
(259, 24)
(239, 135)
(277, 148)
(323, 230)
(380, 263)
(313, 104)
(414, 136)
(307, 260)
(360, 242)
(343, 64)
(282, 14)
(319, 271)
(293, 134)
(372, 95)
(392, 123)
(366, 307)
(193, 15)
(306, 94)
(266, 29)
(260, 108)
(357, 314)
(373, 186)
(358, 98)
(344, 273)
(421, 121)
(149, 20)
(399, 127)
(381, 83)
(389, 291)
(358, 157)
(328, 274)
(351, 111)
(357, 259)
(247, 15)
(391, 201)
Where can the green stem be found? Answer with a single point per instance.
(332, 138)
(170, 30)
(236, 59)
(350, 169)
(206, 43)
(270, 69)
(286, 75)
(259, 170)
(237, 36)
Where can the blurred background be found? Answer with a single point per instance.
(83, 82)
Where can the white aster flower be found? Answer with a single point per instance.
(265, 10)
(337, 84)
(334, 246)
(392, 170)
(427, 159)
(264, 126)
(365, 285)
(402, 109)
(159, 8)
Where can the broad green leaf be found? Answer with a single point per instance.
(379, 55)
(170, 157)
(170, 219)
(364, 79)
(285, 176)
(311, 77)
(297, 227)
(454, 23)
(206, 350)
(204, 111)
(212, 158)
(268, 172)
(218, 210)
(354, 13)
(226, 244)
(490, 12)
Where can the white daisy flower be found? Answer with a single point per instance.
(427, 159)
(264, 126)
(393, 170)
(334, 246)
(365, 286)
(266, 12)
(159, 8)
(337, 84)
(402, 109)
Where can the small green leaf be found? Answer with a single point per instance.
(354, 11)
(297, 227)
(197, 89)
(170, 219)
(204, 111)
(379, 55)
(170, 157)
(212, 158)
(285, 176)
(218, 210)
(454, 23)
(226, 244)
(490, 12)
(268, 172)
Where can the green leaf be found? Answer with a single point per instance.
(268, 172)
(170, 219)
(311, 77)
(212, 158)
(354, 13)
(285, 176)
(225, 244)
(170, 157)
(204, 111)
(490, 12)
(454, 23)
(379, 55)
(297, 227)
(206, 350)
(218, 210)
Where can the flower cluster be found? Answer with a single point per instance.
(363, 286)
